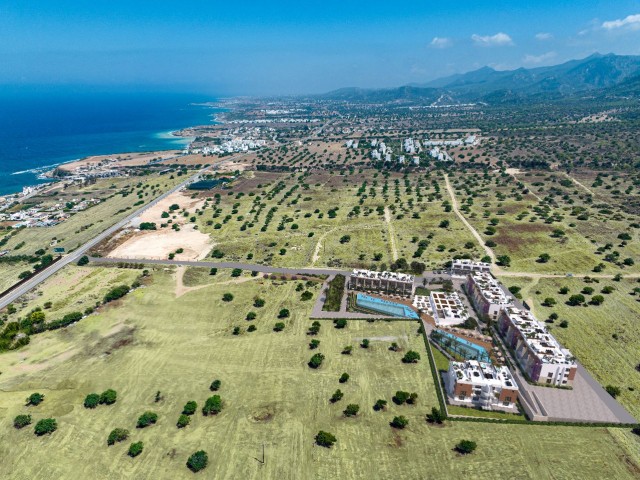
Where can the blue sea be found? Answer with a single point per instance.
(39, 130)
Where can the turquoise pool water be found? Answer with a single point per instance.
(384, 306)
(462, 347)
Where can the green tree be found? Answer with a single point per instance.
(399, 422)
(575, 300)
(544, 258)
(227, 297)
(135, 449)
(45, 426)
(190, 408)
(284, 313)
(83, 260)
(344, 378)
(313, 344)
(92, 400)
(612, 390)
(436, 416)
(365, 343)
(236, 272)
(351, 410)
(549, 302)
(278, 327)
(212, 406)
(108, 397)
(183, 421)
(316, 360)
(337, 396)
(117, 435)
(504, 260)
(411, 357)
(146, 419)
(198, 461)
(35, 399)
(380, 405)
(401, 397)
(21, 421)
(325, 439)
(340, 323)
(597, 300)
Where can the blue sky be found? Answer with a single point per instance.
(241, 47)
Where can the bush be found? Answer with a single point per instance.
(21, 421)
(117, 435)
(251, 316)
(340, 323)
(612, 390)
(183, 421)
(84, 260)
(325, 439)
(401, 397)
(351, 410)
(227, 297)
(135, 449)
(252, 328)
(45, 426)
(316, 360)
(146, 419)
(215, 385)
(108, 397)
(399, 422)
(344, 378)
(213, 271)
(365, 343)
(148, 226)
(190, 408)
(380, 405)
(35, 399)
(198, 461)
(313, 344)
(411, 357)
(466, 446)
(92, 400)
(576, 300)
(236, 272)
(284, 313)
(258, 302)
(307, 295)
(116, 292)
(337, 396)
(212, 406)
(278, 327)
(436, 416)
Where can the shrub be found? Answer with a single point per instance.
(251, 316)
(183, 421)
(335, 291)
(307, 295)
(215, 385)
(466, 446)
(212, 406)
(351, 410)
(380, 405)
(278, 327)
(340, 323)
(612, 390)
(35, 399)
(146, 419)
(413, 398)
(21, 421)
(227, 297)
(436, 416)
(576, 300)
(198, 461)
(365, 343)
(135, 449)
(316, 360)
(116, 292)
(284, 313)
(92, 400)
(399, 422)
(258, 302)
(117, 435)
(337, 396)
(411, 357)
(252, 328)
(236, 272)
(45, 426)
(313, 344)
(401, 397)
(108, 397)
(190, 408)
(344, 378)
(347, 350)
(325, 439)
(84, 260)
(213, 271)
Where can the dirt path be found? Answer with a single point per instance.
(182, 289)
(513, 172)
(392, 234)
(585, 188)
(454, 202)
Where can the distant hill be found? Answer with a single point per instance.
(594, 73)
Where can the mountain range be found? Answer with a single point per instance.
(595, 75)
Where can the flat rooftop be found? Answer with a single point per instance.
(395, 276)
(473, 371)
(490, 288)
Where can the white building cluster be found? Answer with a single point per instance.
(447, 308)
(481, 385)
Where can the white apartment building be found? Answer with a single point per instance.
(480, 384)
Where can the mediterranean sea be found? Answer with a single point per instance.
(40, 130)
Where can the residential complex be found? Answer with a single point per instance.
(539, 354)
(385, 282)
(482, 385)
(447, 308)
(487, 295)
(464, 266)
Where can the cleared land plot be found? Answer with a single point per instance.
(151, 341)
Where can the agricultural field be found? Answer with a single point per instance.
(605, 338)
(526, 215)
(322, 219)
(161, 346)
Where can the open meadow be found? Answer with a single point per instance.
(163, 344)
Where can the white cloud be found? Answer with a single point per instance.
(538, 59)
(631, 22)
(441, 42)
(543, 36)
(497, 40)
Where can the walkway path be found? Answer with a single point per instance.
(392, 234)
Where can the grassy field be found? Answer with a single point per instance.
(153, 341)
(604, 338)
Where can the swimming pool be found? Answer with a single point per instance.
(460, 346)
(384, 306)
